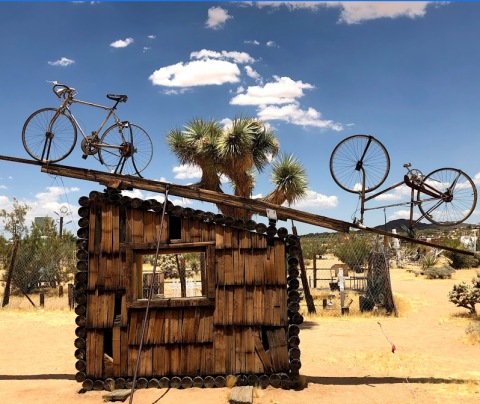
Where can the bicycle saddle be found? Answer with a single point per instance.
(118, 98)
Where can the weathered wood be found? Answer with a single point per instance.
(263, 381)
(241, 395)
(220, 381)
(187, 382)
(164, 383)
(119, 383)
(117, 395)
(209, 381)
(87, 385)
(198, 382)
(252, 380)
(173, 302)
(303, 273)
(98, 385)
(153, 384)
(261, 353)
(80, 377)
(275, 380)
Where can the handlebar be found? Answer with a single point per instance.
(63, 89)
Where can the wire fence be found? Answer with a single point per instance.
(346, 273)
(38, 274)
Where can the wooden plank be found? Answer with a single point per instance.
(278, 349)
(280, 263)
(210, 364)
(282, 293)
(220, 267)
(99, 334)
(195, 231)
(102, 269)
(168, 359)
(219, 347)
(269, 266)
(238, 267)
(186, 223)
(91, 230)
(227, 237)
(137, 225)
(158, 336)
(175, 360)
(130, 268)
(249, 317)
(258, 315)
(228, 313)
(208, 328)
(116, 351)
(239, 305)
(219, 306)
(268, 305)
(171, 248)
(159, 360)
(210, 271)
(249, 267)
(124, 312)
(123, 350)
(229, 351)
(195, 359)
(245, 239)
(91, 317)
(188, 326)
(277, 306)
(262, 355)
(229, 274)
(116, 229)
(249, 351)
(150, 235)
(219, 236)
(259, 266)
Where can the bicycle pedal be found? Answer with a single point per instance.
(84, 156)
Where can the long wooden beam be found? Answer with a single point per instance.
(252, 205)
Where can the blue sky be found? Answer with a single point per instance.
(406, 73)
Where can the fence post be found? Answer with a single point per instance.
(70, 296)
(42, 300)
(314, 270)
(60, 291)
(6, 294)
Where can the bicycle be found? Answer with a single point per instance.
(360, 164)
(50, 134)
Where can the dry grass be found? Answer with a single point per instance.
(257, 392)
(472, 338)
(231, 381)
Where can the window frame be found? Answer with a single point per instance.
(134, 252)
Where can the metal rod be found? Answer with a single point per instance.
(150, 292)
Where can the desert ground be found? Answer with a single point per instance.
(344, 359)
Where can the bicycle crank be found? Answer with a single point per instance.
(88, 146)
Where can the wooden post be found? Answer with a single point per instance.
(181, 274)
(6, 294)
(42, 300)
(314, 270)
(71, 300)
(303, 275)
(60, 291)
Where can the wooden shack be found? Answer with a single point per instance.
(242, 318)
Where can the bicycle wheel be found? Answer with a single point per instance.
(136, 158)
(351, 155)
(49, 146)
(459, 201)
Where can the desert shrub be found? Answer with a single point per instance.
(438, 273)
(464, 295)
(428, 261)
(456, 260)
(353, 252)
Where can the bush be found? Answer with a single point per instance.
(428, 261)
(464, 295)
(353, 252)
(438, 273)
(456, 260)
(312, 245)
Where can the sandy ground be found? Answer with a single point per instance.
(345, 360)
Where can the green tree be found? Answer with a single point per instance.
(458, 260)
(353, 252)
(239, 152)
(14, 221)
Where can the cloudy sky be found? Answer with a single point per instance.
(316, 72)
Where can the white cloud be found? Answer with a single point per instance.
(224, 179)
(240, 90)
(402, 214)
(152, 36)
(196, 73)
(10, 177)
(62, 62)
(256, 196)
(272, 44)
(293, 114)
(397, 194)
(175, 92)
(353, 12)
(476, 179)
(136, 193)
(3, 187)
(122, 43)
(315, 200)
(283, 91)
(238, 57)
(226, 122)
(187, 171)
(253, 74)
(217, 16)
(254, 42)
(146, 48)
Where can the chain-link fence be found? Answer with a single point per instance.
(38, 273)
(349, 273)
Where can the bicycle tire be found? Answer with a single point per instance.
(464, 197)
(347, 154)
(35, 140)
(142, 143)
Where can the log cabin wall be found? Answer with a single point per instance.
(245, 323)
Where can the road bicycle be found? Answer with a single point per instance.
(360, 164)
(50, 134)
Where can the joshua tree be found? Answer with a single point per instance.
(239, 152)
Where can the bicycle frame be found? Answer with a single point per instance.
(66, 106)
(424, 188)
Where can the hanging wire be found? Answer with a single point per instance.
(149, 297)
